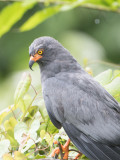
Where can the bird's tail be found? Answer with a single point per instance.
(92, 149)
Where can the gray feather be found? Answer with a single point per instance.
(74, 100)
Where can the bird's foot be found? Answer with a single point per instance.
(55, 152)
(78, 155)
(63, 150)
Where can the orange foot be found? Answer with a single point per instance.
(78, 155)
(62, 149)
(55, 153)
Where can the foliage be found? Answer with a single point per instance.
(26, 130)
(11, 10)
(16, 11)
(110, 80)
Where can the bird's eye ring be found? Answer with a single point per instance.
(39, 51)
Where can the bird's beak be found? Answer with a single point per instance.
(33, 59)
(31, 62)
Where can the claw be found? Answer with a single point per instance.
(65, 149)
(55, 153)
(62, 150)
(78, 155)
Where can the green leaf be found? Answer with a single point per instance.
(32, 110)
(113, 87)
(49, 139)
(10, 124)
(43, 126)
(116, 73)
(32, 135)
(22, 87)
(4, 145)
(39, 17)
(7, 157)
(42, 134)
(4, 113)
(28, 144)
(19, 130)
(19, 156)
(9, 128)
(50, 127)
(27, 100)
(10, 135)
(40, 156)
(15, 11)
(34, 126)
(2, 116)
(104, 77)
(21, 105)
(24, 103)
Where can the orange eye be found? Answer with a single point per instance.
(39, 52)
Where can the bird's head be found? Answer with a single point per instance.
(44, 50)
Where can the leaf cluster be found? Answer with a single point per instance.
(26, 131)
(15, 11)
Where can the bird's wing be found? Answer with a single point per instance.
(82, 102)
(48, 105)
(92, 149)
(87, 112)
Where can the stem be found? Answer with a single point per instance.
(39, 97)
(36, 151)
(106, 63)
(24, 142)
(13, 113)
(35, 144)
(74, 150)
(36, 93)
(40, 1)
(84, 5)
(29, 107)
(61, 154)
(34, 89)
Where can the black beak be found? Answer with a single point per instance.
(31, 62)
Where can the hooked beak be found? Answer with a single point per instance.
(31, 62)
(33, 59)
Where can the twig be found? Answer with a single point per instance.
(36, 93)
(36, 151)
(60, 148)
(13, 113)
(29, 107)
(103, 62)
(74, 150)
(43, 148)
(27, 137)
(42, 1)
(34, 89)
(83, 5)
(39, 97)
(34, 143)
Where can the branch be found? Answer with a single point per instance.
(105, 63)
(75, 4)
(60, 148)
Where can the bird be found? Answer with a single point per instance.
(76, 101)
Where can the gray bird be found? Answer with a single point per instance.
(75, 101)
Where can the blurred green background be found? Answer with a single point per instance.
(91, 35)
